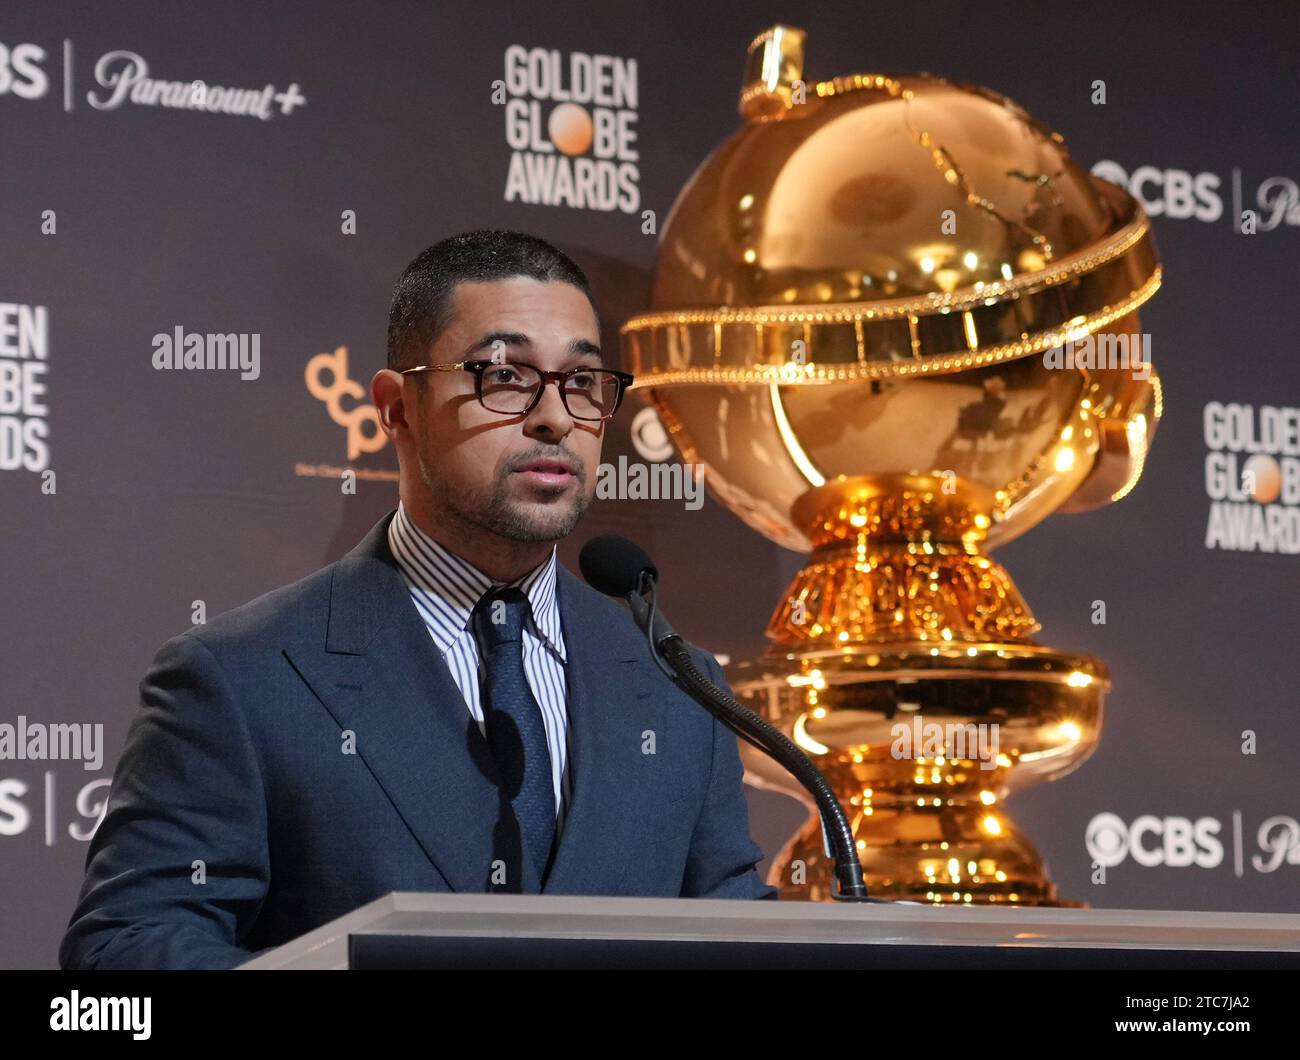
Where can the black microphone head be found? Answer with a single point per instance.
(613, 565)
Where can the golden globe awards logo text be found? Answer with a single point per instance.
(24, 358)
(1252, 477)
(571, 128)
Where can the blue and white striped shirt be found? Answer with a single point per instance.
(445, 589)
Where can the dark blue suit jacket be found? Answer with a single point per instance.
(237, 761)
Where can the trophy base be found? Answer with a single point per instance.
(970, 867)
(921, 744)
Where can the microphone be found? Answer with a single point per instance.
(618, 567)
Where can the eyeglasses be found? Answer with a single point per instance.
(513, 388)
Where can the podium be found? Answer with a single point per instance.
(405, 930)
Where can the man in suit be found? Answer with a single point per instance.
(447, 707)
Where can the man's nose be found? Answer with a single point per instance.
(549, 418)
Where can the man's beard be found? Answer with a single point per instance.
(497, 512)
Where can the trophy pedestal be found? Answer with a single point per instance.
(922, 743)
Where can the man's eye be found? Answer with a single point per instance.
(582, 381)
(504, 375)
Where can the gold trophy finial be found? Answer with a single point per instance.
(772, 68)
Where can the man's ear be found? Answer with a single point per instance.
(388, 394)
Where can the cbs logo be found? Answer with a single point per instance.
(649, 438)
(340, 386)
(1167, 192)
(21, 73)
(1174, 841)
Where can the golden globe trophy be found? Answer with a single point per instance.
(859, 312)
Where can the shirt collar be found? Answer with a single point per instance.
(446, 587)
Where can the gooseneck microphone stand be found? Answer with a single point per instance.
(668, 646)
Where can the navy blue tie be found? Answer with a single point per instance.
(513, 720)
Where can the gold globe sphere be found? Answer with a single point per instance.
(918, 244)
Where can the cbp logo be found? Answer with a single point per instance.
(361, 419)
(1174, 842)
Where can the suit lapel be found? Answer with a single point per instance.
(610, 703)
(382, 678)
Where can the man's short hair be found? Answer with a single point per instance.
(422, 301)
